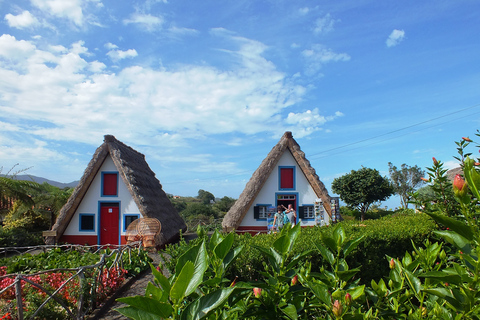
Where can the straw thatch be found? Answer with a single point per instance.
(140, 180)
(237, 212)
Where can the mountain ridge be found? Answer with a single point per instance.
(41, 180)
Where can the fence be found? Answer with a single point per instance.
(81, 307)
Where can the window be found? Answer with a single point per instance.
(309, 212)
(287, 178)
(128, 219)
(87, 222)
(109, 184)
(262, 211)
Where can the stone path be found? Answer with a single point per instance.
(136, 287)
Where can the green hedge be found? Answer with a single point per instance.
(391, 235)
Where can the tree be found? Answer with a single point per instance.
(205, 196)
(225, 203)
(405, 181)
(359, 189)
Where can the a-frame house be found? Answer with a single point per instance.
(116, 188)
(284, 177)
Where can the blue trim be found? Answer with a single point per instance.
(280, 177)
(287, 194)
(309, 219)
(102, 185)
(119, 220)
(262, 205)
(81, 215)
(129, 215)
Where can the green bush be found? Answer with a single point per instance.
(19, 237)
(392, 235)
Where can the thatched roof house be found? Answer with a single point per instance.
(302, 189)
(101, 199)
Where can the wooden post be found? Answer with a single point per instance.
(18, 296)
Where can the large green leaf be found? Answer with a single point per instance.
(347, 274)
(182, 282)
(339, 235)
(201, 307)
(197, 254)
(321, 292)
(160, 279)
(350, 245)
(155, 292)
(472, 176)
(215, 239)
(231, 255)
(290, 311)
(357, 292)
(273, 256)
(457, 240)
(413, 281)
(222, 248)
(144, 308)
(285, 242)
(442, 276)
(458, 226)
(326, 254)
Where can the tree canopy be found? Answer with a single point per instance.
(361, 188)
(205, 196)
(405, 181)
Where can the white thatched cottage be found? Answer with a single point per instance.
(117, 188)
(284, 177)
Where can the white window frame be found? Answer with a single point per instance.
(309, 212)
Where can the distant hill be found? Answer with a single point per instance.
(41, 180)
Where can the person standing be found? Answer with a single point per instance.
(292, 215)
(278, 219)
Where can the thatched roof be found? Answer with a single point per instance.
(140, 180)
(237, 212)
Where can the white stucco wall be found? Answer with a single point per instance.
(90, 203)
(267, 196)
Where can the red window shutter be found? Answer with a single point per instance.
(110, 184)
(286, 178)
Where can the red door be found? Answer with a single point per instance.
(109, 223)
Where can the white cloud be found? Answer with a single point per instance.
(308, 121)
(395, 38)
(117, 55)
(68, 9)
(324, 25)
(110, 46)
(146, 21)
(21, 21)
(318, 55)
(77, 96)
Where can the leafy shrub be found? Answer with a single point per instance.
(392, 235)
(19, 237)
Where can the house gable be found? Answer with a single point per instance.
(237, 213)
(135, 179)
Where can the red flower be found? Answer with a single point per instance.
(337, 308)
(467, 139)
(435, 161)
(392, 264)
(257, 292)
(294, 280)
(424, 179)
(459, 186)
(348, 299)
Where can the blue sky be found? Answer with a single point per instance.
(206, 88)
